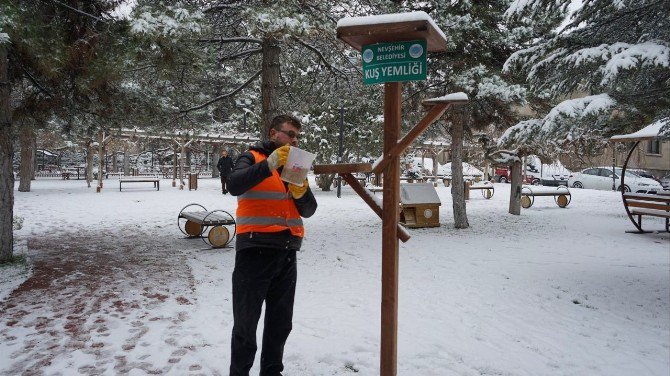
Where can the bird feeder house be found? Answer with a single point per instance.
(420, 205)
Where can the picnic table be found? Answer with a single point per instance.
(561, 195)
(218, 225)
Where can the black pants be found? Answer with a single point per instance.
(262, 274)
(223, 184)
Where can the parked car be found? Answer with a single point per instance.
(601, 178)
(555, 180)
(643, 173)
(502, 175)
(665, 182)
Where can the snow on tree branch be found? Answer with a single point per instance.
(624, 56)
(520, 8)
(174, 21)
(220, 97)
(563, 123)
(230, 40)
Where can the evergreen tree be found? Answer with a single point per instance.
(479, 42)
(616, 53)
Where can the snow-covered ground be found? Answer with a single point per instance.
(551, 292)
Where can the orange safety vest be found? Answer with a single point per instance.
(268, 207)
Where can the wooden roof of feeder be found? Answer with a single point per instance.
(455, 99)
(360, 31)
(418, 193)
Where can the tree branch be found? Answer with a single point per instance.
(140, 68)
(245, 84)
(241, 54)
(230, 40)
(318, 53)
(33, 80)
(79, 11)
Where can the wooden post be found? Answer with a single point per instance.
(389, 306)
(434, 157)
(174, 166)
(466, 189)
(216, 152)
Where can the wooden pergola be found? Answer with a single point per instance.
(357, 32)
(181, 141)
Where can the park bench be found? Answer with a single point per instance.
(140, 179)
(486, 188)
(375, 189)
(561, 195)
(653, 205)
(218, 225)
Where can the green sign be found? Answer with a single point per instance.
(394, 62)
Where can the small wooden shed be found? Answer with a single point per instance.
(420, 205)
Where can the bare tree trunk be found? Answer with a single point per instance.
(269, 83)
(457, 186)
(174, 167)
(6, 173)
(101, 156)
(216, 151)
(181, 166)
(515, 189)
(34, 147)
(114, 168)
(188, 163)
(89, 163)
(126, 161)
(26, 137)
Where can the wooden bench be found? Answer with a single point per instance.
(217, 223)
(561, 195)
(140, 179)
(653, 205)
(375, 189)
(486, 188)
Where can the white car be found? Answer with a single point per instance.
(601, 178)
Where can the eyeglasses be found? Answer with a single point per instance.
(291, 134)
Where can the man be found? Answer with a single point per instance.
(225, 166)
(269, 232)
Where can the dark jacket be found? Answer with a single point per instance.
(225, 165)
(247, 174)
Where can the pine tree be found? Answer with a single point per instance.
(479, 42)
(616, 53)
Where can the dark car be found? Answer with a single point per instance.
(665, 182)
(644, 174)
(555, 180)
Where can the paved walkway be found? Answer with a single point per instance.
(104, 303)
